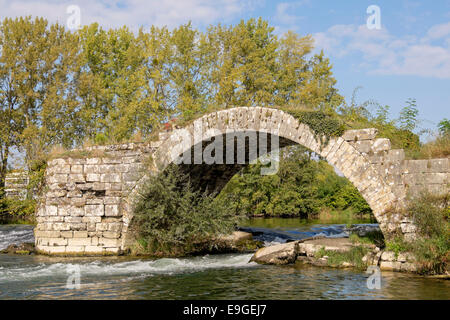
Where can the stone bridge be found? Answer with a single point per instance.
(87, 204)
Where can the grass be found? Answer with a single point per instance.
(337, 258)
(371, 237)
(438, 148)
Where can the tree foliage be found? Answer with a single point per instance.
(170, 217)
(62, 88)
(301, 188)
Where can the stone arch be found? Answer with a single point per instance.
(354, 164)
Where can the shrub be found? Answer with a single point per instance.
(432, 248)
(17, 211)
(336, 258)
(173, 219)
(375, 237)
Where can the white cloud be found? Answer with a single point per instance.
(439, 31)
(133, 13)
(285, 16)
(384, 53)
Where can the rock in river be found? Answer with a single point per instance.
(284, 253)
(23, 248)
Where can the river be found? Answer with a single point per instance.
(227, 276)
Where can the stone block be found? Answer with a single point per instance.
(47, 234)
(388, 256)
(91, 161)
(91, 168)
(111, 235)
(74, 249)
(101, 227)
(415, 166)
(115, 227)
(113, 250)
(112, 160)
(438, 165)
(95, 219)
(80, 234)
(76, 168)
(94, 210)
(395, 155)
(79, 242)
(67, 234)
(77, 178)
(74, 194)
(436, 178)
(73, 219)
(106, 242)
(57, 178)
(381, 144)
(61, 226)
(361, 134)
(364, 146)
(112, 210)
(53, 249)
(93, 249)
(110, 177)
(107, 168)
(390, 266)
(62, 168)
(111, 200)
(92, 177)
(78, 226)
(56, 241)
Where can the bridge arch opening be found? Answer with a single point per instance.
(245, 127)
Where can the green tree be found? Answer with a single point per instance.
(408, 115)
(444, 127)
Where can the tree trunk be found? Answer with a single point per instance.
(4, 167)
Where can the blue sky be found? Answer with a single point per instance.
(409, 57)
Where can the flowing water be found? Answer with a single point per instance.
(227, 276)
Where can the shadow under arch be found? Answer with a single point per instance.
(273, 123)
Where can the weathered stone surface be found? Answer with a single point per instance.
(278, 254)
(80, 192)
(390, 266)
(358, 135)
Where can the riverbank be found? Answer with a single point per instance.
(336, 253)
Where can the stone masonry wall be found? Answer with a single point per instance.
(85, 208)
(82, 208)
(407, 177)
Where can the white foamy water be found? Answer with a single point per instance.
(15, 234)
(140, 268)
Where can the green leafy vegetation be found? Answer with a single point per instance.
(17, 211)
(372, 237)
(302, 188)
(336, 258)
(432, 246)
(171, 219)
(324, 125)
